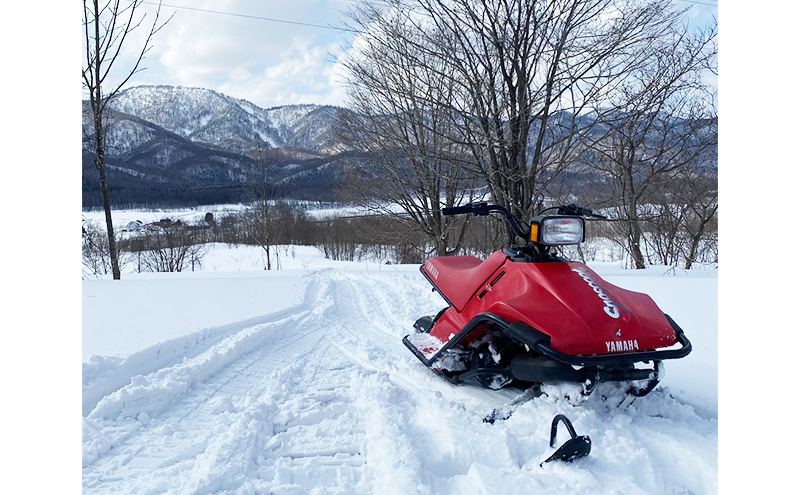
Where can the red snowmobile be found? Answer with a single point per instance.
(528, 315)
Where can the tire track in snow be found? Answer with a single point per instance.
(170, 353)
(168, 444)
(414, 420)
(372, 316)
(195, 380)
(277, 418)
(319, 434)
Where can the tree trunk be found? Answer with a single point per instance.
(100, 163)
(636, 249)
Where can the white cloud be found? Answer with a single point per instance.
(268, 63)
(302, 74)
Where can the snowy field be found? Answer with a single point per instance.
(241, 381)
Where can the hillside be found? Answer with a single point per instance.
(192, 145)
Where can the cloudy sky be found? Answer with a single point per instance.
(269, 52)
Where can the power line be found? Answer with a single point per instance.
(695, 2)
(270, 19)
(320, 26)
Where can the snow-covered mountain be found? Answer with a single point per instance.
(164, 139)
(207, 117)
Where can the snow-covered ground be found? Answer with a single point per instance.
(237, 380)
(196, 215)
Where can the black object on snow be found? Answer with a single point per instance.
(574, 448)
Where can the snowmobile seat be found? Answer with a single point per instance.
(458, 278)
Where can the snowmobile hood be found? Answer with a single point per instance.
(585, 314)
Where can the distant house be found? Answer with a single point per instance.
(166, 223)
(133, 226)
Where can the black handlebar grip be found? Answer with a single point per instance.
(457, 210)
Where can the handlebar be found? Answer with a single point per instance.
(477, 209)
(483, 209)
(457, 210)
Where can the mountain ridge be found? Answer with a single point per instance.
(207, 146)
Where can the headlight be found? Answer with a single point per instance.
(557, 230)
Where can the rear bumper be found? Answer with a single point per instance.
(543, 364)
(540, 342)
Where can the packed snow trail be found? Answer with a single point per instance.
(323, 398)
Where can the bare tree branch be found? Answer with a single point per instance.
(106, 28)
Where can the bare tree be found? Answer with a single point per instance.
(107, 27)
(173, 247)
(681, 223)
(519, 74)
(95, 251)
(662, 121)
(261, 222)
(400, 127)
(701, 195)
